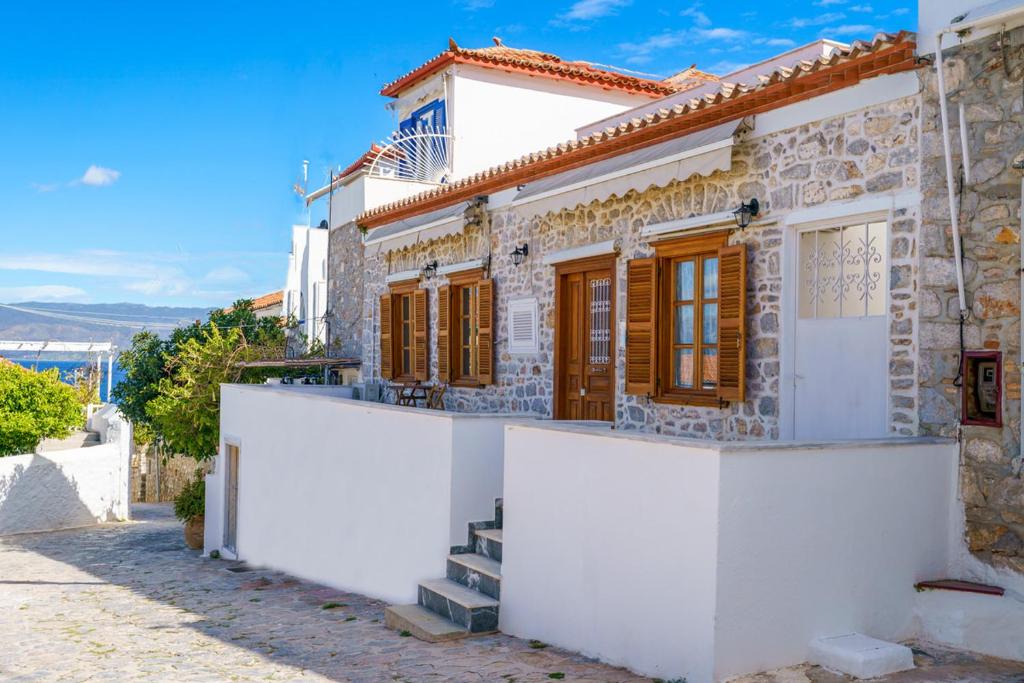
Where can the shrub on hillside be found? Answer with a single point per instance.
(34, 406)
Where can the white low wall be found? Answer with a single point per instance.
(683, 558)
(67, 489)
(359, 496)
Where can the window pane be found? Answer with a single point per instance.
(682, 372)
(710, 369)
(405, 332)
(684, 324)
(467, 357)
(710, 323)
(807, 275)
(830, 285)
(465, 292)
(711, 278)
(406, 365)
(684, 281)
(877, 258)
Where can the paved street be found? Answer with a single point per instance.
(129, 602)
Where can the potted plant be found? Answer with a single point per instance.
(190, 508)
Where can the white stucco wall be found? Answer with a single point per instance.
(305, 290)
(359, 496)
(494, 115)
(824, 541)
(66, 489)
(683, 558)
(609, 548)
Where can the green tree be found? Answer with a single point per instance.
(34, 406)
(185, 413)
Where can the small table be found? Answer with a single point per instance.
(408, 394)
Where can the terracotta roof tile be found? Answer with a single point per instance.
(268, 300)
(534, 63)
(886, 53)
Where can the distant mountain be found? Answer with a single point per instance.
(116, 323)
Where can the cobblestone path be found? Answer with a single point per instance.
(128, 602)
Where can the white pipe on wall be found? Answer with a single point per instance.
(950, 189)
(964, 151)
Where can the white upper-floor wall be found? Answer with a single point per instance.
(305, 292)
(934, 16)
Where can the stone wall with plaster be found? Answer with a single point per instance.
(870, 152)
(987, 77)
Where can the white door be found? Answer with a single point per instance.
(842, 341)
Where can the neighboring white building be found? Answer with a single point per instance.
(305, 291)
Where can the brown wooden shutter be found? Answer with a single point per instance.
(387, 354)
(421, 371)
(444, 357)
(732, 327)
(485, 331)
(641, 325)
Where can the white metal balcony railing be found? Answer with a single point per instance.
(421, 155)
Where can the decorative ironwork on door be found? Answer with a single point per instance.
(600, 321)
(843, 271)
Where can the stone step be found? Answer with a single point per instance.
(477, 572)
(473, 610)
(488, 543)
(859, 656)
(422, 623)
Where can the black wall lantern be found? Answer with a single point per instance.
(520, 253)
(430, 269)
(746, 212)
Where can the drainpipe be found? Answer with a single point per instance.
(950, 189)
(1019, 165)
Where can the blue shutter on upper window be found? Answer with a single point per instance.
(428, 119)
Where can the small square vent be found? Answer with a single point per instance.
(522, 326)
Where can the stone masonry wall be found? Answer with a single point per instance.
(989, 81)
(345, 268)
(873, 151)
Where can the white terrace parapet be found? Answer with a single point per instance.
(360, 496)
(705, 560)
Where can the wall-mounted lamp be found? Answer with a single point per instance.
(520, 253)
(746, 212)
(430, 269)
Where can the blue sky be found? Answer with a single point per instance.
(147, 150)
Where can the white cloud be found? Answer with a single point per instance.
(820, 20)
(865, 31)
(588, 10)
(899, 11)
(699, 18)
(866, 9)
(227, 275)
(42, 188)
(775, 42)
(41, 293)
(98, 176)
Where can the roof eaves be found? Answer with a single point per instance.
(671, 121)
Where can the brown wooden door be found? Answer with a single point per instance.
(585, 364)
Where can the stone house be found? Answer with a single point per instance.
(711, 328)
(827, 148)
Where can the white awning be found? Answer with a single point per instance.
(701, 153)
(418, 229)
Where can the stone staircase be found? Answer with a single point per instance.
(465, 602)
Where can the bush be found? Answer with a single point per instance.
(191, 502)
(34, 406)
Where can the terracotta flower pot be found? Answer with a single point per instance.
(194, 529)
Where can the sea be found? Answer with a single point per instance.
(67, 371)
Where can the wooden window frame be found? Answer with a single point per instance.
(696, 248)
(460, 282)
(398, 291)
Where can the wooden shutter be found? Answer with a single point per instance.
(732, 328)
(419, 335)
(641, 322)
(387, 354)
(444, 357)
(485, 331)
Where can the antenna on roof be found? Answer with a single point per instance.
(497, 41)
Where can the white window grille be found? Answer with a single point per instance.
(843, 271)
(600, 321)
(523, 335)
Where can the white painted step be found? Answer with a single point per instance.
(990, 624)
(459, 594)
(422, 623)
(478, 563)
(860, 656)
(493, 534)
